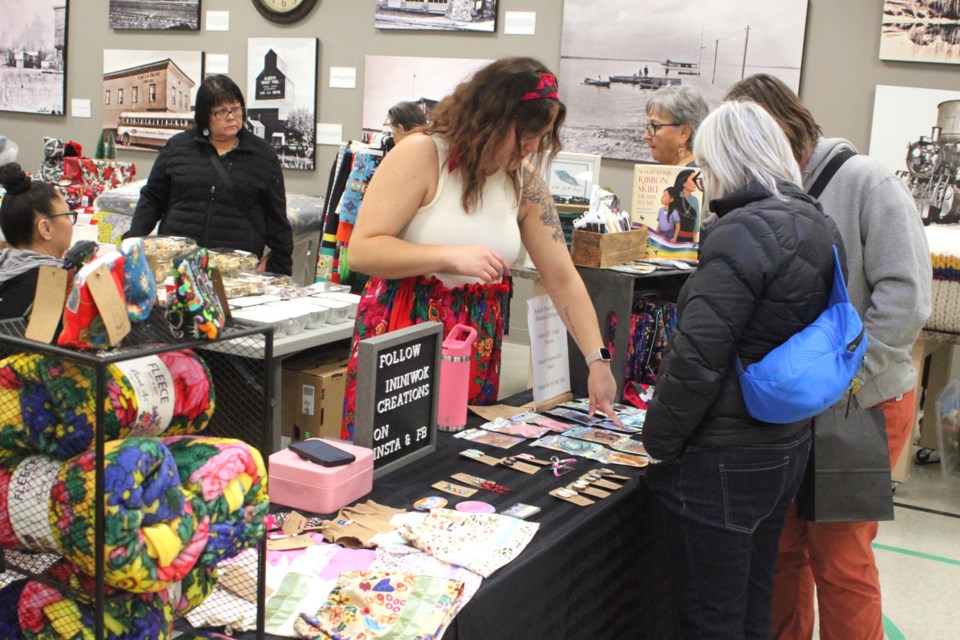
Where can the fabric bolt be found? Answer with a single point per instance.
(388, 305)
(154, 530)
(9, 602)
(229, 476)
(480, 542)
(48, 405)
(366, 605)
(838, 558)
(50, 611)
(83, 327)
(139, 287)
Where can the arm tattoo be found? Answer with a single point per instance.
(570, 326)
(535, 192)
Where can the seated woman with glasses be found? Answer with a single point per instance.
(38, 226)
(219, 184)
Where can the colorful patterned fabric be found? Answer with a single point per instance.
(154, 530)
(388, 305)
(480, 542)
(9, 602)
(364, 164)
(139, 287)
(47, 611)
(196, 311)
(48, 405)
(230, 478)
(83, 327)
(366, 605)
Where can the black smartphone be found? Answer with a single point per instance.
(320, 452)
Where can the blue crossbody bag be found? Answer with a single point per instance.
(812, 370)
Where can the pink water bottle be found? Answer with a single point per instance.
(455, 378)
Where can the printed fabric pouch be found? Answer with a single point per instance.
(138, 284)
(195, 311)
(83, 326)
(812, 370)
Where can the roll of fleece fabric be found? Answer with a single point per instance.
(49, 611)
(229, 476)
(154, 530)
(48, 405)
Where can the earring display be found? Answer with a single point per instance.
(572, 496)
(454, 489)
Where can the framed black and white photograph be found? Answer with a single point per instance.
(615, 54)
(921, 31)
(180, 15)
(282, 97)
(33, 56)
(388, 80)
(916, 134)
(437, 15)
(572, 175)
(149, 96)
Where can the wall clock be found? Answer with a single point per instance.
(284, 11)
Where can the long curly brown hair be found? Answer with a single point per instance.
(481, 112)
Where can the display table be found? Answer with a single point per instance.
(590, 572)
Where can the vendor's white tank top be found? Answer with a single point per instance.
(443, 221)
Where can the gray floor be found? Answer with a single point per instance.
(918, 553)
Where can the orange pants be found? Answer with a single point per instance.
(838, 558)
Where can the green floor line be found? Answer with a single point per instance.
(890, 630)
(917, 554)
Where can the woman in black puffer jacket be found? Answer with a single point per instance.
(188, 195)
(725, 479)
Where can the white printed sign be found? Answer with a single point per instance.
(153, 389)
(548, 349)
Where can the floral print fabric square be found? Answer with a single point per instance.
(370, 604)
(480, 542)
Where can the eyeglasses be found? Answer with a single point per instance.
(72, 214)
(221, 114)
(697, 180)
(653, 127)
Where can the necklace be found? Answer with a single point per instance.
(236, 142)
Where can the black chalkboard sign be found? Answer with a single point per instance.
(398, 377)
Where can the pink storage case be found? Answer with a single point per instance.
(297, 483)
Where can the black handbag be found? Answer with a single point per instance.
(848, 473)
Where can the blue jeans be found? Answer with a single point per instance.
(723, 511)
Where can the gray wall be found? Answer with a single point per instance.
(840, 68)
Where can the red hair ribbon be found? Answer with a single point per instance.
(546, 90)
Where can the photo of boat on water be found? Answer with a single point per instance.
(921, 31)
(607, 75)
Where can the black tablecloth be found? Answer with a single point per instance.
(595, 572)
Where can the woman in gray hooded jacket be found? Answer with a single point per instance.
(38, 225)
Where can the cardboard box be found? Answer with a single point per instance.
(601, 250)
(312, 398)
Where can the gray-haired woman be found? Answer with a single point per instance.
(726, 479)
(674, 113)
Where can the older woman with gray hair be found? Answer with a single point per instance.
(674, 113)
(724, 478)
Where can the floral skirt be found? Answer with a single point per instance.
(388, 305)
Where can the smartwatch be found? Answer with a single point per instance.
(600, 354)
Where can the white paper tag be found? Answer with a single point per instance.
(152, 385)
(307, 400)
(28, 502)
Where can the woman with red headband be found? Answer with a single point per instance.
(447, 212)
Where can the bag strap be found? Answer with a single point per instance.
(227, 180)
(829, 171)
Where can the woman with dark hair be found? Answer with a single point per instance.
(686, 183)
(447, 212)
(38, 226)
(404, 117)
(219, 183)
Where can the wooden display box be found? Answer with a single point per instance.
(602, 250)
